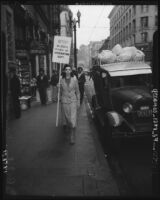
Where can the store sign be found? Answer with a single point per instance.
(61, 49)
(35, 51)
(21, 53)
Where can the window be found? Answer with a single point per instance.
(134, 10)
(124, 33)
(144, 36)
(134, 25)
(144, 8)
(123, 37)
(156, 21)
(127, 32)
(126, 17)
(144, 22)
(129, 28)
(134, 39)
(130, 14)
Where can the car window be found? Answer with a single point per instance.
(134, 80)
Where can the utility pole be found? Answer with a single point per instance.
(75, 45)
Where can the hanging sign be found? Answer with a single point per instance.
(61, 49)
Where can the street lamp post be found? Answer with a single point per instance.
(74, 22)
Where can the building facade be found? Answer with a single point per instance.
(28, 32)
(105, 45)
(133, 25)
(66, 28)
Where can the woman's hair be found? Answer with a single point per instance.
(64, 73)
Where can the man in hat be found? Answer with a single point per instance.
(15, 91)
(42, 84)
(54, 82)
(81, 82)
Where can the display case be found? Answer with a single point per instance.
(24, 72)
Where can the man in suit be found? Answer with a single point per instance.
(81, 82)
(42, 84)
(54, 82)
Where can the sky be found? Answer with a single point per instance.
(94, 22)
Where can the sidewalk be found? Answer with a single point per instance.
(46, 164)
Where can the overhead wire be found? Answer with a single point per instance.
(90, 36)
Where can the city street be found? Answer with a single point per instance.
(132, 159)
(101, 59)
(42, 162)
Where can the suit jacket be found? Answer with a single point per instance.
(42, 83)
(15, 86)
(81, 80)
(69, 93)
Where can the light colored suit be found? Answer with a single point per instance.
(69, 93)
(70, 97)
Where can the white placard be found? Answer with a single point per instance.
(61, 49)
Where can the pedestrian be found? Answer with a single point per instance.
(33, 86)
(15, 91)
(81, 82)
(42, 84)
(54, 82)
(70, 101)
(75, 72)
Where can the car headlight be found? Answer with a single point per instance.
(127, 107)
(114, 119)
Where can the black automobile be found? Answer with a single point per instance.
(123, 100)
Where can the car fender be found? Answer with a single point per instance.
(115, 120)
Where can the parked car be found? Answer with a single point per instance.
(123, 101)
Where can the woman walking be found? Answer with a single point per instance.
(70, 101)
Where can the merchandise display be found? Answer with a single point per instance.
(24, 75)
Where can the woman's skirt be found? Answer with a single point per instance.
(69, 114)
